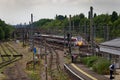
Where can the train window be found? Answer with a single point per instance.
(35, 34)
(79, 38)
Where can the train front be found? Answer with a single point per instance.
(80, 41)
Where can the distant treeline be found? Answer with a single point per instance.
(111, 22)
(5, 30)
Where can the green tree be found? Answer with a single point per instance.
(82, 16)
(2, 23)
(102, 19)
(79, 21)
(60, 17)
(114, 16)
(95, 15)
(2, 35)
(7, 31)
(42, 22)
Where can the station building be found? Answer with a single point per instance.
(111, 51)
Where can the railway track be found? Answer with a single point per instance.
(54, 67)
(54, 60)
(5, 51)
(7, 55)
(17, 70)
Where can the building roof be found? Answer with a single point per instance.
(112, 46)
(114, 42)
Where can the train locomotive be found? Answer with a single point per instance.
(75, 41)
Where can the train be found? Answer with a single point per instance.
(75, 41)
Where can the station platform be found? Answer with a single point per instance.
(86, 73)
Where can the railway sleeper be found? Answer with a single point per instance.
(18, 55)
(5, 55)
(11, 55)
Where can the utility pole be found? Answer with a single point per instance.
(94, 30)
(73, 27)
(23, 35)
(45, 60)
(85, 30)
(91, 30)
(104, 32)
(107, 33)
(69, 36)
(64, 39)
(32, 41)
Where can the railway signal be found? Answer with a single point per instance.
(68, 37)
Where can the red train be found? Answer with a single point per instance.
(75, 41)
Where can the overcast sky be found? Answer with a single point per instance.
(18, 11)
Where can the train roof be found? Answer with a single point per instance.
(55, 36)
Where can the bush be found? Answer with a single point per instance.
(101, 66)
(89, 61)
(85, 60)
(99, 40)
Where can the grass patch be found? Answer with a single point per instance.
(33, 75)
(67, 59)
(99, 40)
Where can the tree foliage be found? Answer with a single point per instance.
(79, 21)
(42, 22)
(5, 30)
(60, 17)
(114, 16)
(2, 34)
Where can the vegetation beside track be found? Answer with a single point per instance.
(98, 64)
